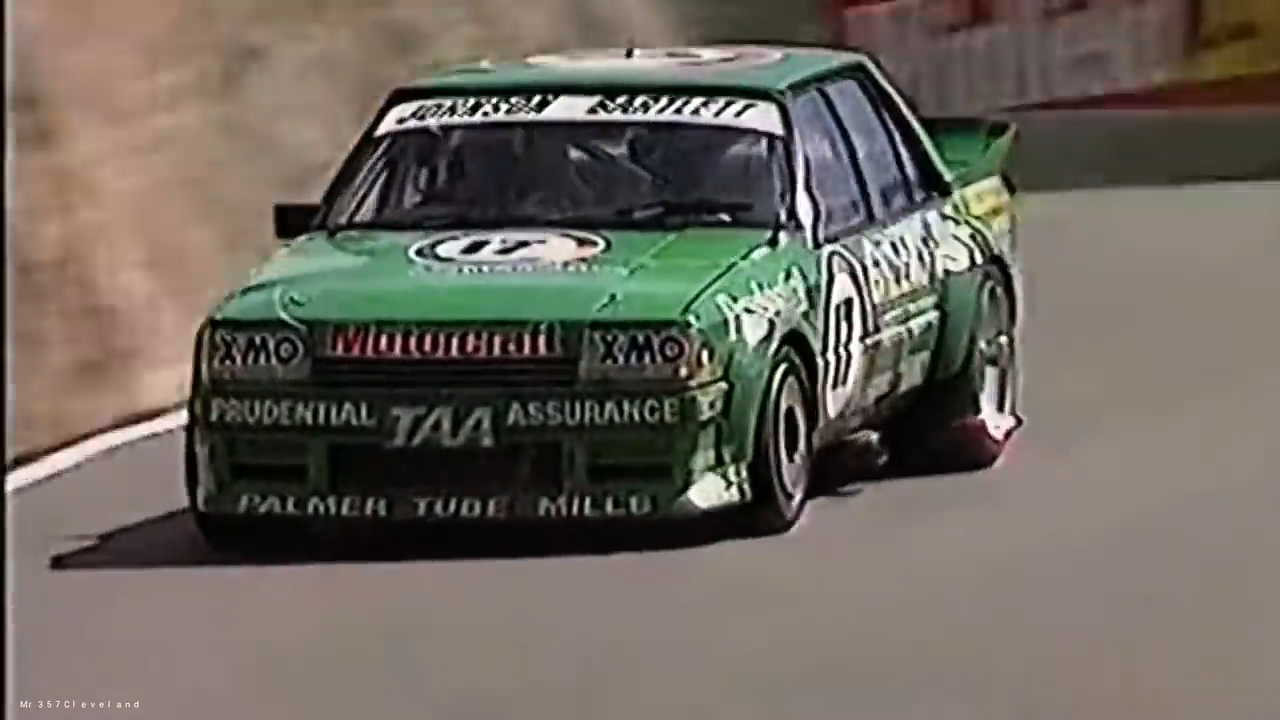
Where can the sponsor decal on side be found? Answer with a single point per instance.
(903, 259)
(871, 284)
(913, 255)
(661, 353)
(508, 251)
(638, 347)
(643, 347)
(753, 317)
(572, 413)
(452, 426)
(374, 342)
(601, 504)
(336, 506)
(566, 505)
(721, 111)
(290, 413)
(256, 354)
(442, 426)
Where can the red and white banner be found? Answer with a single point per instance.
(971, 56)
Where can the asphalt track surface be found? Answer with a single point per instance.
(1120, 564)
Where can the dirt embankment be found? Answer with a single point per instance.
(150, 137)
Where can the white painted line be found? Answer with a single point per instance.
(80, 453)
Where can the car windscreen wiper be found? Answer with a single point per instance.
(382, 224)
(693, 207)
(436, 220)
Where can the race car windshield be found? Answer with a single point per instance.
(625, 175)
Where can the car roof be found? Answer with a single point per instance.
(749, 68)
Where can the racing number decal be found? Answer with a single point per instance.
(508, 247)
(874, 316)
(845, 330)
(497, 249)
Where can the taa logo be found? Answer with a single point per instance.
(442, 426)
(641, 348)
(242, 350)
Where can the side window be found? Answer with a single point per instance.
(831, 175)
(877, 155)
(911, 155)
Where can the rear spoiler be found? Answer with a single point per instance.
(973, 148)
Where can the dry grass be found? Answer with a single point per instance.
(150, 137)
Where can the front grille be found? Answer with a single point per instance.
(407, 374)
(270, 473)
(533, 467)
(395, 356)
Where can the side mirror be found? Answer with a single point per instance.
(293, 219)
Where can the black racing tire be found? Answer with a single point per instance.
(780, 470)
(942, 430)
(227, 534)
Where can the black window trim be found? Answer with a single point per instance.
(851, 150)
(825, 236)
(889, 219)
(931, 176)
(931, 200)
(896, 141)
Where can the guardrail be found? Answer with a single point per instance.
(962, 56)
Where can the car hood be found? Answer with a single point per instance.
(370, 276)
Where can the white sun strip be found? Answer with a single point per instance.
(743, 113)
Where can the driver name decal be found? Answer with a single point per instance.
(443, 110)
(742, 113)
(672, 106)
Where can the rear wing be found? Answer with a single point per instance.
(972, 148)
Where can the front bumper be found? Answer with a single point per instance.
(465, 456)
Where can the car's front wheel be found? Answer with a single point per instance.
(780, 469)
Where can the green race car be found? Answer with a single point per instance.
(615, 284)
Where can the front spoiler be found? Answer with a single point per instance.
(711, 491)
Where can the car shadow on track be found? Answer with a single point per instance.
(170, 540)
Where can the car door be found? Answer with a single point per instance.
(897, 247)
(832, 204)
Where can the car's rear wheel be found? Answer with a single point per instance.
(963, 423)
(225, 533)
(780, 470)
